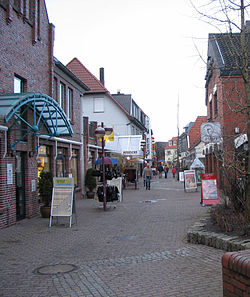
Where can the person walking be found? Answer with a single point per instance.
(160, 170)
(147, 175)
(166, 169)
(174, 172)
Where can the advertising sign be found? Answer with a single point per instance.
(62, 198)
(209, 189)
(190, 180)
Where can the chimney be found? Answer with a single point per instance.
(102, 76)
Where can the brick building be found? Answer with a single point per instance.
(225, 100)
(35, 130)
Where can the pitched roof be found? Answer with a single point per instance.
(86, 76)
(225, 49)
(91, 81)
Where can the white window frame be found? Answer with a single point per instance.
(98, 104)
(70, 103)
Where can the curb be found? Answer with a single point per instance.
(198, 234)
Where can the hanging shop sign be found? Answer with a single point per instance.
(209, 189)
(62, 198)
(190, 182)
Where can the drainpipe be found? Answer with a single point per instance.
(4, 128)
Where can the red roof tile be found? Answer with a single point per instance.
(86, 76)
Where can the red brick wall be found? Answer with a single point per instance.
(27, 51)
(195, 132)
(22, 56)
(236, 274)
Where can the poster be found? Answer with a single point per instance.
(209, 189)
(190, 180)
(181, 176)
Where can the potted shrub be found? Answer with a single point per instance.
(45, 187)
(90, 183)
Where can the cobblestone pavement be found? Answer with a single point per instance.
(137, 249)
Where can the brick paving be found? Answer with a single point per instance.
(138, 249)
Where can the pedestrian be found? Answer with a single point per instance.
(160, 170)
(166, 169)
(147, 175)
(173, 172)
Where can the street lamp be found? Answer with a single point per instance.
(101, 132)
(143, 146)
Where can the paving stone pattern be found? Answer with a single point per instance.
(137, 249)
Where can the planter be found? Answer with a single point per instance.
(90, 194)
(45, 211)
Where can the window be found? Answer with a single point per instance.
(70, 104)
(211, 109)
(55, 88)
(92, 129)
(170, 143)
(62, 95)
(74, 166)
(98, 104)
(175, 143)
(215, 104)
(61, 163)
(44, 159)
(18, 84)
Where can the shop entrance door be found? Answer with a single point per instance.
(20, 186)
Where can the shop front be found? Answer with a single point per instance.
(32, 125)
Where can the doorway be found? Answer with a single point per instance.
(20, 186)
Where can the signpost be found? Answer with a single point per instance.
(209, 189)
(190, 182)
(62, 198)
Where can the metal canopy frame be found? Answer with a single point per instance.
(46, 111)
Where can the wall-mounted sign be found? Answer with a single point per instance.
(209, 189)
(211, 132)
(62, 198)
(9, 174)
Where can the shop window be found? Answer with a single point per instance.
(44, 159)
(61, 170)
(74, 166)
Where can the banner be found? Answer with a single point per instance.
(209, 189)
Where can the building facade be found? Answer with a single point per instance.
(37, 132)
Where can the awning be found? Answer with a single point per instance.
(46, 111)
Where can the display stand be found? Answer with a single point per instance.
(190, 183)
(117, 182)
(62, 199)
(209, 189)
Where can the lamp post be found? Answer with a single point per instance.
(100, 132)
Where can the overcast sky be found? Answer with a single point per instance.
(149, 48)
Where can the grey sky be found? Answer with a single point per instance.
(148, 48)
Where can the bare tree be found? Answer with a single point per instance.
(229, 16)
